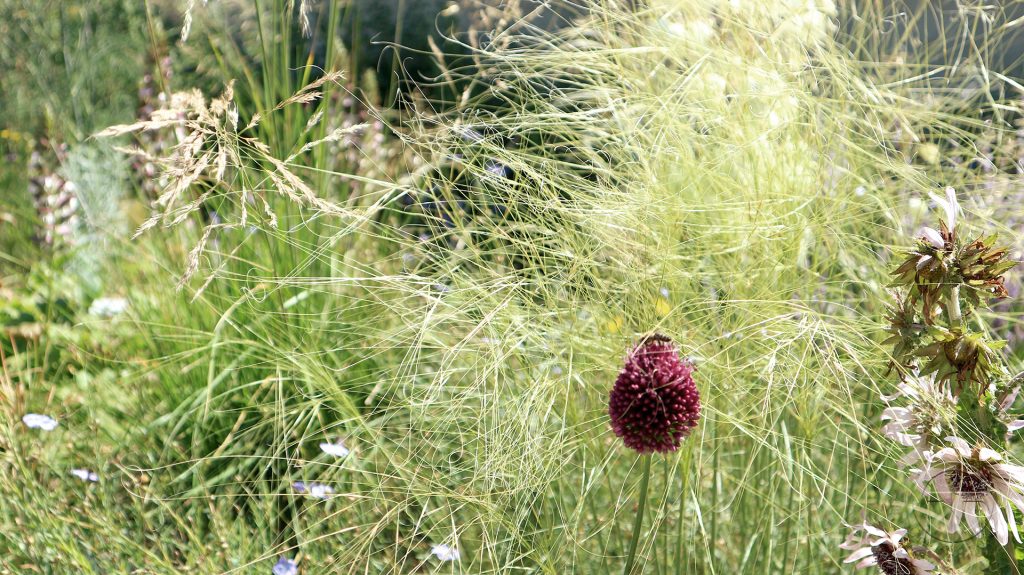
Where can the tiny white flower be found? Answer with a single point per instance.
(556, 370)
(108, 306)
(37, 421)
(320, 491)
(873, 547)
(85, 475)
(336, 449)
(860, 190)
(444, 552)
(664, 292)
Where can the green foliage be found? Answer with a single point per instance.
(451, 294)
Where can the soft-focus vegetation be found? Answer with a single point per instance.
(445, 270)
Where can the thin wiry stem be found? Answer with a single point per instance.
(638, 521)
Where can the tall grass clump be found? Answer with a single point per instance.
(395, 330)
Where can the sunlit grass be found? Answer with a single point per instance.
(723, 173)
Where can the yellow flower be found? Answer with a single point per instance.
(662, 308)
(614, 325)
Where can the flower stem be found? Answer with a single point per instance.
(638, 521)
(953, 307)
(1002, 559)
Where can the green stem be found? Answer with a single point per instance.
(955, 316)
(638, 521)
(1002, 560)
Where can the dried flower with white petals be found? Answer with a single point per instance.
(873, 547)
(933, 237)
(928, 415)
(968, 478)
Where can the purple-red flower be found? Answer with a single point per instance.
(654, 403)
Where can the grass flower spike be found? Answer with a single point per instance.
(654, 403)
(873, 547)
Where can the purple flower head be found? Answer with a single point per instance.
(654, 403)
(285, 566)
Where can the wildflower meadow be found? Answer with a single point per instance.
(668, 287)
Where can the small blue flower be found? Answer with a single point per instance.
(497, 170)
(285, 566)
(85, 475)
(318, 490)
(556, 370)
(444, 552)
(664, 292)
(37, 421)
(471, 135)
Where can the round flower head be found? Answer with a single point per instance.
(974, 482)
(885, 550)
(654, 403)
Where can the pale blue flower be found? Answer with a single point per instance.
(85, 475)
(664, 292)
(444, 552)
(37, 421)
(285, 566)
(318, 490)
